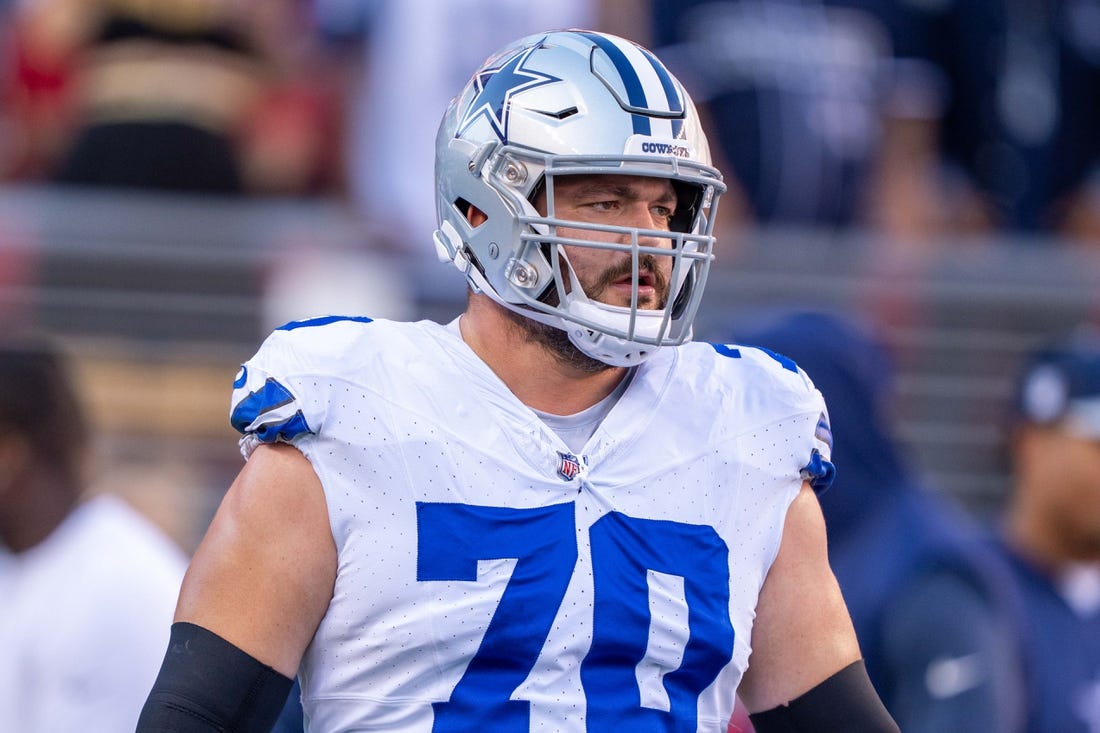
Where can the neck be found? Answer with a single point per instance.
(541, 378)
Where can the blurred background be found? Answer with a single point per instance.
(177, 177)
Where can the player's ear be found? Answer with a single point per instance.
(475, 216)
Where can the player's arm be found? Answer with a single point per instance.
(805, 674)
(250, 603)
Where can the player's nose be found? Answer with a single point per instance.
(643, 217)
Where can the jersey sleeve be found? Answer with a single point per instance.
(268, 404)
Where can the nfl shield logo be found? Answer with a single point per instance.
(570, 466)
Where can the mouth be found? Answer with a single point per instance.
(623, 288)
(615, 286)
(645, 278)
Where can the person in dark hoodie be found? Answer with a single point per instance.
(936, 632)
(1049, 530)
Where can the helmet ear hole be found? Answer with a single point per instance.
(476, 216)
(472, 214)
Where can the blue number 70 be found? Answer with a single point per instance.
(452, 538)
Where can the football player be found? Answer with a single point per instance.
(555, 513)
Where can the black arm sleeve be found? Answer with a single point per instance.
(844, 703)
(207, 685)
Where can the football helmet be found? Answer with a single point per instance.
(574, 103)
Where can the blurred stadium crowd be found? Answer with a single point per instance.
(911, 118)
(179, 176)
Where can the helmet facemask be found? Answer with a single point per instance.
(677, 261)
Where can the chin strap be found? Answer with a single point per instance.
(609, 349)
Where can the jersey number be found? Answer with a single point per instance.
(452, 538)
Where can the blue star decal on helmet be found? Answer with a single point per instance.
(495, 88)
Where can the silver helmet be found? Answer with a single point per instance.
(567, 103)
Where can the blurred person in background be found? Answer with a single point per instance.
(923, 589)
(34, 100)
(793, 93)
(910, 118)
(411, 56)
(87, 584)
(1050, 533)
(197, 96)
(1006, 102)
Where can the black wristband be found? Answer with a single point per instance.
(844, 703)
(207, 685)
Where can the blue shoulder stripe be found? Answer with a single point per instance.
(727, 350)
(322, 321)
(286, 430)
(786, 362)
(730, 351)
(819, 472)
(268, 398)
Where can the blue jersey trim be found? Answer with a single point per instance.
(286, 430)
(727, 350)
(786, 362)
(819, 472)
(322, 321)
(269, 397)
(730, 351)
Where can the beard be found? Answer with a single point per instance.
(556, 341)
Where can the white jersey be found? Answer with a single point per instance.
(84, 621)
(490, 580)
